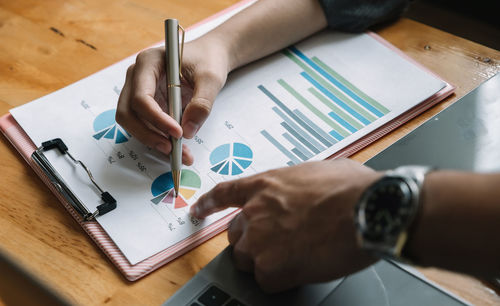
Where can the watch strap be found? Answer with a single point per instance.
(416, 173)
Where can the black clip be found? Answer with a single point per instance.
(56, 143)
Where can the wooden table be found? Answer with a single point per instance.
(45, 45)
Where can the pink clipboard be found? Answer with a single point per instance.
(23, 144)
(20, 140)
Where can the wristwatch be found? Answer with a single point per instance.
(386, 210)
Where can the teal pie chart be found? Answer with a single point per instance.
(231, 158)
(106, 127)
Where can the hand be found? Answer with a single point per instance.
(142, 104)
(296, 225)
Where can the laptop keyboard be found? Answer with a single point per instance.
(214, 296)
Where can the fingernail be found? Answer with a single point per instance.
(190, 128)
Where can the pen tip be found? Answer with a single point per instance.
(177, 180)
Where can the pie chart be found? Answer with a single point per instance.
(163, 188)
(105, 126)
(231, 158)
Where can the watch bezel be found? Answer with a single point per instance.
(392, 243)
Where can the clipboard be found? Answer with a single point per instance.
(20, 140)
(86, 218)
(23, 144)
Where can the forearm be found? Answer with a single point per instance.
(270, 25)
(459, 223)
(265, 27)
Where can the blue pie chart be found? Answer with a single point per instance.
(231, 158)
(105, 126)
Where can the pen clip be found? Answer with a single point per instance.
(182, 51)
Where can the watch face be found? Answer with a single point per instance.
(385, 209)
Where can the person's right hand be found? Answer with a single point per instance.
(296, 224)
(142, 104)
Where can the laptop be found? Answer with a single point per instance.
(464, 136)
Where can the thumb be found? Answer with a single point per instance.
(197, 110)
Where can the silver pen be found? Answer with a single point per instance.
(172, 69)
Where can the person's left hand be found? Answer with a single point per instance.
(296, 225)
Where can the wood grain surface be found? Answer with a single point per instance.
(46, 45)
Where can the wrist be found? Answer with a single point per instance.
(214, 50)
(223, 44)
(457, 227)
(429, 230)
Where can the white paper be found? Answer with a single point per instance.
(241, 116)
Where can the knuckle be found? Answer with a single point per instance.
(202, 106)
(143, 55)
(271, 200)
(263, 181)
(239, 251)
(221, 188)
(249, 211)
(150, 58)
(130, 70)
(140, 57)
(120, 117)
(233, 186)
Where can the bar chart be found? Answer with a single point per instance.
(340, 106)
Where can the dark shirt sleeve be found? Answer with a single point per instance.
(358, 15)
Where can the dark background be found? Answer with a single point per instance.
(476, 20)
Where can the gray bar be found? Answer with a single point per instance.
(294, 117)
(304, 125)
(302, 133)
(315, 127)
(298, 145)
(290, 163)
(312, 131)
(280, 147)
(299, 154)
(299, 137)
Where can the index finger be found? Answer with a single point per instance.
(223, 195)
(148, 68)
